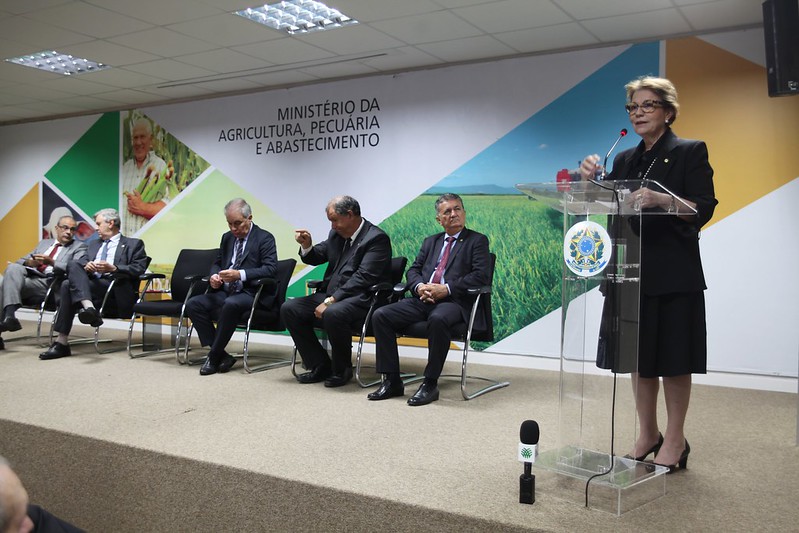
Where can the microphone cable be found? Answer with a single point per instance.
(614, 263)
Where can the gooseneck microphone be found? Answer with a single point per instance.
(528, 451)
(622, 133)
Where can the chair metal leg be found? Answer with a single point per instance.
(274, 362)
(493, 384)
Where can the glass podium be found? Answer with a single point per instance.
(603, 227)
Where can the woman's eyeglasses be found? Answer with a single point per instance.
(647, 106)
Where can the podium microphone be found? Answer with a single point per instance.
(528, 451)
(622, 133)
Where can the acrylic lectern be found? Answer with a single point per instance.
(603, 227)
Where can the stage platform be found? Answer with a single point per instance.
(116, 445)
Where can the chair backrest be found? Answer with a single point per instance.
(484, 310)
(285, 269)
(398, 265)
(268, 318)
(190, 263)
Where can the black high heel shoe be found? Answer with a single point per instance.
(654, 449)
(682, 462)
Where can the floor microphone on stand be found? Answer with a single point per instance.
(528, 451)
(622, 133)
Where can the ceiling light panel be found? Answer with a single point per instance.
(57, 63)
(297, 16)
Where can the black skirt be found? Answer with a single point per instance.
(669, 338)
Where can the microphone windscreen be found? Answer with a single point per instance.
(528, 433)
(623, 132)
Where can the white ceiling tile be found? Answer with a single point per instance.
(402, 58)
(170, 70)
(26, 6)
(284, 51)
(638, 26)
(123, 78)
(37, 91)
(111, 54)
(89, 102)
(162, 42)
(223, 60)
(441, 26)
(723, 13)
(129, 97)
(339, 70)
(351, 40)
(227, 30)
(451, 4)
(479, 47)
(38, 35)
(370, 10)
(159, 12)
(282, 78)
(511, 15)
(14, 113)
(89, 20)
(582, 10)
(571, 35)
(7, 99)
(85, 84)
(229, 85)
(54, 107)
(179, 92)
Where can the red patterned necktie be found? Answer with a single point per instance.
(442, 265)
(42, 267)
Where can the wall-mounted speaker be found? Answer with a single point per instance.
(781, 29)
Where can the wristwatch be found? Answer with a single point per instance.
(329, 300)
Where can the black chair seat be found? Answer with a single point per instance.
(168, 308)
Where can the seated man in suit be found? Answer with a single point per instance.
(358, 255)
(447, 265)
(246, 253)
(88, 279)
(26, 281)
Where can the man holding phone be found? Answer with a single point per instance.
(26, 281)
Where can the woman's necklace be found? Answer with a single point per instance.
(648, 169)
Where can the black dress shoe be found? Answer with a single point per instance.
(2, 344)
(10, 324)
(426, 394)
(387, 389)
(654, 449)
(209, 367)
(317, 375)
(56, 351)
(90, 316)
(682, 462)
(339, 380)
(227, 363)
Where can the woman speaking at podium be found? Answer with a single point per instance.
(672, 335)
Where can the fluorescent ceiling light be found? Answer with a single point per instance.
(52, 61)
(297, 16)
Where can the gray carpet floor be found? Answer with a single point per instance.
(114, 444)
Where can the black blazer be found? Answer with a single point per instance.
(259, 259)
(130, 259)
(367, 262)
(670, 260)
(468, 266)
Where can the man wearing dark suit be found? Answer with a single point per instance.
(246, 253)
(26, 281)
(358, 255)
(447, 265)
(88, 281)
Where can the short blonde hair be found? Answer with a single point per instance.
(661, 86)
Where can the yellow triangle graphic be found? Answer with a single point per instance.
(19, 228)
(752, 139)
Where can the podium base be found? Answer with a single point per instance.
(627, 486)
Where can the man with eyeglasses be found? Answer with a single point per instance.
(112, 256)
(26, 281)
(448, 264)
